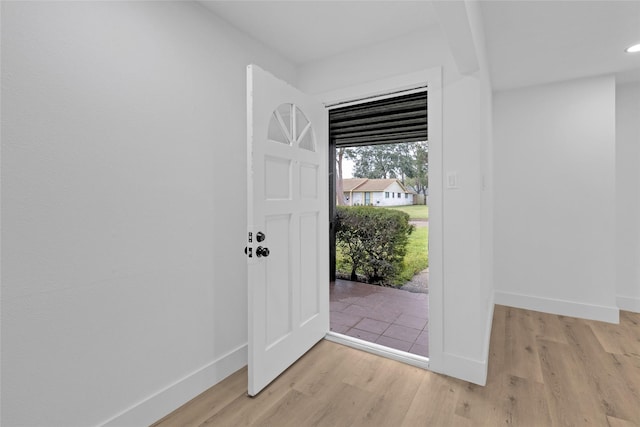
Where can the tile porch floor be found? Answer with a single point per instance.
(386, 316)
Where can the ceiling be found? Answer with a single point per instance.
(528, 42)
(304, 31)
(532, 42)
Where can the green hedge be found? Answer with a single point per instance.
(373, 240)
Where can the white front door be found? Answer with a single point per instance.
(287, 233)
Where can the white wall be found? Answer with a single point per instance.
(468, 210)
(377, 198)
(414, 52)
(465, 291)
(355, 198)
(123, 274)
(485, 134)
(555, 198)
(628, 196)
(393, 199)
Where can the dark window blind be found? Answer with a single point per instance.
(387, 121)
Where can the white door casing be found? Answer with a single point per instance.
(287, 201)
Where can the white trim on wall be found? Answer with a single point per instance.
(154, 407)
(432, 78)
(367, 99)
(464, 368)
(390, 86)
(558, 306)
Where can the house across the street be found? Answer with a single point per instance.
(376, 192)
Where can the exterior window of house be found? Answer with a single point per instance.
(398, 195)
(393, 195)
(406, 195)
(386, 194)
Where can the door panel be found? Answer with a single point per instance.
(287, 201)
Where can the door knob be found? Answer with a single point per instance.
(262, 252)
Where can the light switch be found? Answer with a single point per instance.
(452, 180)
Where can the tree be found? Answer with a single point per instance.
(420, 181)
(339, 189)
(402, 161)
(372, 161)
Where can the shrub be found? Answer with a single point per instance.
(374, 240)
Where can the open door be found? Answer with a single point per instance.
(287, 233)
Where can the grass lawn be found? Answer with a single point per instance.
(417, 257)
(415, 260)
(414, 211)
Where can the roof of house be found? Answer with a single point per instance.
(364, 184)
(351, 184)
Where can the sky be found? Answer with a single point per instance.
(347, 168)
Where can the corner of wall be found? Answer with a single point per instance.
(627, 196)
(488, 328)
(627, 303)
(454, 21)
(463, 368)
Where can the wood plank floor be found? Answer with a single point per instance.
(544, 370)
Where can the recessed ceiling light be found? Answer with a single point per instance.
(633, 49)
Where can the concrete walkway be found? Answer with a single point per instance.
(419, 223)
(419, 283)
(386, 316)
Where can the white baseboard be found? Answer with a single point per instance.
(628, 303)
(463, 368)
(487, 337)
(453, 365)
(602, 313)
(180, 392)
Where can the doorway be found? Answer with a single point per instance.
(388, 140)
(272, 101)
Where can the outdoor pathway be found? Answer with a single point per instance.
(386, 316)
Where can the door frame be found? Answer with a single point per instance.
(432, 79)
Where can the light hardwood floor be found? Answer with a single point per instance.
(544, 370)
